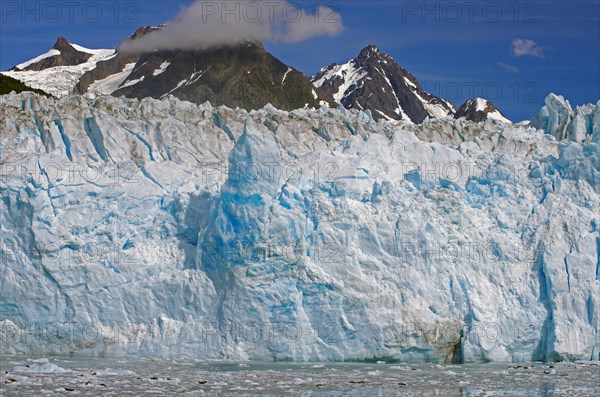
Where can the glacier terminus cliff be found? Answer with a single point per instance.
(162, 228)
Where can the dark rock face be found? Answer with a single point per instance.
(142, 31)
(68, 56)
(243, 75)
(374, 81)
(476, 110)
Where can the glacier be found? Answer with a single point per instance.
(558, 119)
(161, 228)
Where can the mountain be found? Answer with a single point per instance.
(479, 109)
(161, 228)
(108, 74)
(59, 70)
(62, 53)
(238, 75)
(374, 81)
(242, 75)
(8, 85)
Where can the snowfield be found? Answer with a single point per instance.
(59, 81)
(160, 228)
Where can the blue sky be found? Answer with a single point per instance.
(511, 52)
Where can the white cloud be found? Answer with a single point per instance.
(527, 47)
(206, 23)
(508, 68)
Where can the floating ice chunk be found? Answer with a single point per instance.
(40, 366)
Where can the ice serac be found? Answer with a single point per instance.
(243, 251)
(166, 228)
(557, 118)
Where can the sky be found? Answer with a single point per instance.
(512, 53)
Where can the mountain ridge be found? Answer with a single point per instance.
(243, 75)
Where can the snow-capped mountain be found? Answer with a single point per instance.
(243, 75)
(62, 53)
(165, 228)
(374, 81)
(58, 71)
(479, 109)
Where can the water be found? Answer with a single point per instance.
(148, 377)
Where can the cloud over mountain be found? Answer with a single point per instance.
(207, 23)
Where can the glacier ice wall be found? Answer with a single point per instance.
(557, 118)
(163, 228)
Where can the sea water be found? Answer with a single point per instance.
(151, 377)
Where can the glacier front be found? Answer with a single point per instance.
(167, 229)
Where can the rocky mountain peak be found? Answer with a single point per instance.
(374, 81)
(372, 56)
(369, 51)
(61, 54)
(479, 109)
(143, 30)
(62, 44)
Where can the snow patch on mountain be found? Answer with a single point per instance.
(480, 104)
(350, 74)
(111, 83)
(48, 54)
(133, 82)
(496, 115)
(163, 66)
(285, 75)
(88, 50)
